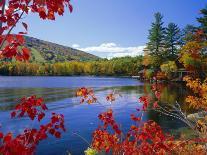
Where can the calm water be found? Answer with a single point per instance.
(58, 93)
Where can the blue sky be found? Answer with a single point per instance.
(109, 28)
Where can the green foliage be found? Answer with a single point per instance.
(149, 73)
(172, 41)
(168, 68)
(36, 56)
(90, 151)
(156, 36)
(43, 51)
(125, 66)
(191, 56)
(156, 61)
(203, 19)
(188, 33)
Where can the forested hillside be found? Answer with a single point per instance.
(44, 51)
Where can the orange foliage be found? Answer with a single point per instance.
(200, 89)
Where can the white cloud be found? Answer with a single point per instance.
(75, 46)
(110, 50)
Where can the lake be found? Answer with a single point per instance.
(59, 95)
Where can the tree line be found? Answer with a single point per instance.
(125, 66)
(171, 48)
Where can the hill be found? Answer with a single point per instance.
(44, 51)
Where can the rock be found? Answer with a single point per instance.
(196, 116)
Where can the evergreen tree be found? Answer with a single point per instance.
(172, 40)
(203, 20)
(156, 36)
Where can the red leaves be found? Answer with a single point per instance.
(25, 54)
(42, 12)
(157, 94)
(41, 116)
(155, 105)
(13, 114)
(87, 95)
(48, 9)
(22, 144)
(26, 142)
(147, 138)
(2, 2)
(134, 118)
(110, 97)
(103, 140)
(7, 138)
(108, 120)
(145, 101)
(10, 48)
(70, 8)
(1, 135)
(32, 106)
(57, 134)
(156, 88)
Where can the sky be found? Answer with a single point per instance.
(112, 28)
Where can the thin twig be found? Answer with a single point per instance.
(75, 133)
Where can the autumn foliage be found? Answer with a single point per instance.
(141, 138)
(11, 44)
(86, 95)
(144, 138)
(148, 137)
(26, 142)
(198, 101)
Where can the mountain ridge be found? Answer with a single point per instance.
(45, 51)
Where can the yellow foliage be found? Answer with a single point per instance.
(199, 101)
(168, 68)
(190, 55)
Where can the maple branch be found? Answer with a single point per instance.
(3, 9)
(2, 43)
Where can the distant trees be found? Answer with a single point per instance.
(125, 66)
(170, 47)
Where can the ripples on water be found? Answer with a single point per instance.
(58, 93)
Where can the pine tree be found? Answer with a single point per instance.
(172, 40)
(156, 36)
(203, 20)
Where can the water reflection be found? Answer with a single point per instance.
(82, 118)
